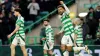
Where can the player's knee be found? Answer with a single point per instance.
(12, 47)
(45, 51)
(63, 47)
(25, 53)
(50, 52)
(69, 49)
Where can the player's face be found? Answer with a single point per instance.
(91, 10)
(15, 13)
(60, 10)
(99, 8)
(45, 23)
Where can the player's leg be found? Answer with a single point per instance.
(24, 50)
(22, 45)
(77, 49)
(12, 50)
(13, 45)
(45, 53)
(51, 53)
(50, 49)
(70, 43)
(63, 46)
(45, 49)
(87, 49)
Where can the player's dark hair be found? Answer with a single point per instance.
(91, 8)
(18, 10)
(98, 6)
(46, 20)
(61, 6)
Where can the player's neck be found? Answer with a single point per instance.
(19, 15)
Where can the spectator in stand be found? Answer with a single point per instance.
(42, 35)
(97, 16)
(11, 22)
(33, 10)
(91, 21)
(85, 29)
(8, 6)
(0, 7)
(3, 29)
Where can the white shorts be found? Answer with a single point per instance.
(18, 40)
(47, 46)
(66, 40)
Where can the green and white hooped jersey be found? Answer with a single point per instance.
(49, 34)
(20, 22)
(78, 32)
(67, 24)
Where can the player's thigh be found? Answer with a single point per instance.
(63, 47)
(51, 46)
(14, 41)
(22, 41)
(69, 48)
(70, 40)
(64, 40)
(45, 47)
(12, 46)
(45, 51)
(23, 48)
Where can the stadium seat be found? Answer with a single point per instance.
(43, 13)
(27, 23)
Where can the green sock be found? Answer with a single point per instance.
(45, 54)
(72, 48)
(53, 55)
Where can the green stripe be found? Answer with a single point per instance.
(47, 45)
(64, 18)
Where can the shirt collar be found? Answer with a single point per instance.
(19, 17)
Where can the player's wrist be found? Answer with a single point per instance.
(11, 34)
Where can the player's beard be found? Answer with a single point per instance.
(60, 13)
(46, 24)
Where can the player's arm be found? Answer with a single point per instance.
(66, 8)
(16, 29)
(61, 31)
(75, 37)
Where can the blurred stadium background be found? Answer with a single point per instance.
(48, 10)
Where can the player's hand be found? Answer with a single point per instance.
(43, 38)
(61, 2)
(9, 35)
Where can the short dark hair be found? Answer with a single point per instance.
(46, 20)
(91, 8)
(18, 10)
(61, 6)
(98, 6)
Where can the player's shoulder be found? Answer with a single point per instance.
(76, 27)
(49, 27)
